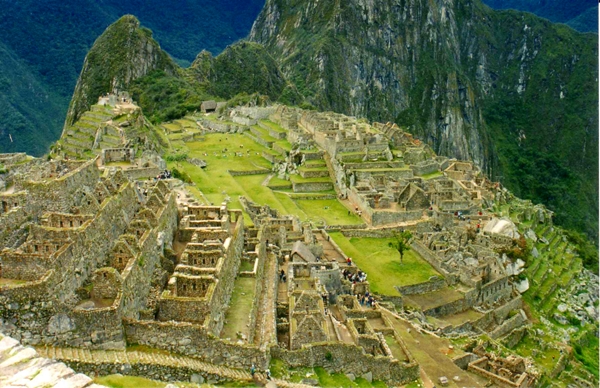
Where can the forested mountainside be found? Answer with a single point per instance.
(509, 90)
(46, 41)
(581, 15)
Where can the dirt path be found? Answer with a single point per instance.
(428, 352)
(329, 251)
(267, 180)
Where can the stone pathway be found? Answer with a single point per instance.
(23, 367)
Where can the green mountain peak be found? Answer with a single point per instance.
(124, 53)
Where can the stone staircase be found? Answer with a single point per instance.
(140, 357)
(86, 356)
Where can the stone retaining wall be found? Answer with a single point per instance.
(138, 173)
(194, 340)
(433, 260)
(249, 172)
(433, 284)
(223, 127)
(308, 187)
(512, 323)
(347, 358)
(165, 373)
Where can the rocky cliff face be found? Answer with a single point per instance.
(123, 53)
(386, 60)
(491, 86)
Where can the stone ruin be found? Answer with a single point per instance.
(506, 372)
(94, 258)
(320, 320)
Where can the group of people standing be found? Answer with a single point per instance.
(356, 277)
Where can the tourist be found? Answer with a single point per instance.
(282, 275)
(253, 370)
(349, 261)
(268, 373)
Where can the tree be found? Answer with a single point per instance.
(401, 242)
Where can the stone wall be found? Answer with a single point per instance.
(433, 260)
(379, 217)
(496, 290)
(167, 373)
(194, 340)
(433, 284)
(40, 312)
(142, 172)
(304, 187)
(425, 168)
(249, 172)
(463, 361)
(347, 358)
(98, 328)
(223, 127)
(258, 113)
(136, 274)
(502, 312)
(58, 193)
(118, 155)
(509, 325)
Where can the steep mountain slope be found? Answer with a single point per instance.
(122, 54)
(28, 120)
(581, 15)
(49, 39)
(513, 92)
(126, 58)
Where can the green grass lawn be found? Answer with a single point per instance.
(246, 266)
(274, 126)
(546, 359)
(279, 182)
(238, 313)
(216, 183)
(382, 263)
(279, 369)
(315, 162)
(329, 210)
(432, 175)
(264, 134)
(286, 145)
